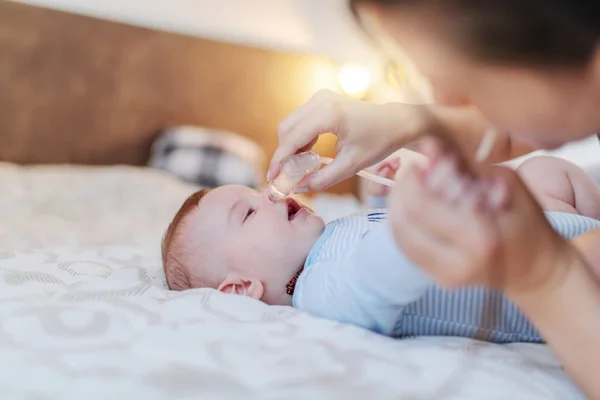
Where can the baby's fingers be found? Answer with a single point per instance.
(385, 171)
(388, 169)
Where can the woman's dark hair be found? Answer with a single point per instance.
(546, 33)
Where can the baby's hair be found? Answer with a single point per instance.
(176, 273)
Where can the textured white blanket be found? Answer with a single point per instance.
(84, 314)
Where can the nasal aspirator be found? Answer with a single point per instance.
(297, 166)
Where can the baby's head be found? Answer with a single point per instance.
(236, 240)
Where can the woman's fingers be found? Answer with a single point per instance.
(302, 128)
(444, 179)
(299, 114)
(480, 228)
(432, 249)
(497, 195)
(427, 250)
(440, 171)
(429, 209)
(304, 134)
(366, 132)
(436, 147)
(290, 132)
(452, 220)
(473, 197)
(342, 167)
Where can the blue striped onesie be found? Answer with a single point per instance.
(356, 274)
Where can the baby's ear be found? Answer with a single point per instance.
(235, 284)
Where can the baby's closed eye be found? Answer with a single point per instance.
(249, 213)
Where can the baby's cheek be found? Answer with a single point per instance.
(283, 238)
(269, 240)
(282, 243)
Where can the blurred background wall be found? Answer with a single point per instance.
(322, 27)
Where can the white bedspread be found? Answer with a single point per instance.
(84, 314)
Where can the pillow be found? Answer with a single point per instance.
(208, 158)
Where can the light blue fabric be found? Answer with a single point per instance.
(356, 274)
(376, 202)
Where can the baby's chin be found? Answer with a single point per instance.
(311, 225)
(319, 223)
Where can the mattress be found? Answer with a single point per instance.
(85, 314)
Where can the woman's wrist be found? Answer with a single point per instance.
(548, 276)
(408, 122)
(565, 312)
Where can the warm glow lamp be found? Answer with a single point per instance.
(354, 81)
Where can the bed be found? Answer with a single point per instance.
(84, 308)
(84, 313)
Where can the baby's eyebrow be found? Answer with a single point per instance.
(232, 210)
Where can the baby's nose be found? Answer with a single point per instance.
(267, 198)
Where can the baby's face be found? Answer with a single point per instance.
(256, 238)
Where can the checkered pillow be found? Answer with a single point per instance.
(208, 158)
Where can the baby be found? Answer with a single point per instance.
(235, 240)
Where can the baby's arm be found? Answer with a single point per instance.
(560, 185)
(368, 286)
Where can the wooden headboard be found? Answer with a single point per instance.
(75, 89)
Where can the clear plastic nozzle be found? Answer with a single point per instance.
(297, 166)
(293, 169)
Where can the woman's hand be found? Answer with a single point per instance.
(481, 227)
(367, 133)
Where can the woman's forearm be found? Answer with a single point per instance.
(466, 126)
(567, 314)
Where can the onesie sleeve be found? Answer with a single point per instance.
(377, 201)
(368, 286)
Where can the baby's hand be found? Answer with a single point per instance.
(385, 169)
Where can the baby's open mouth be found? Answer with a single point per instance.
(292, 208)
